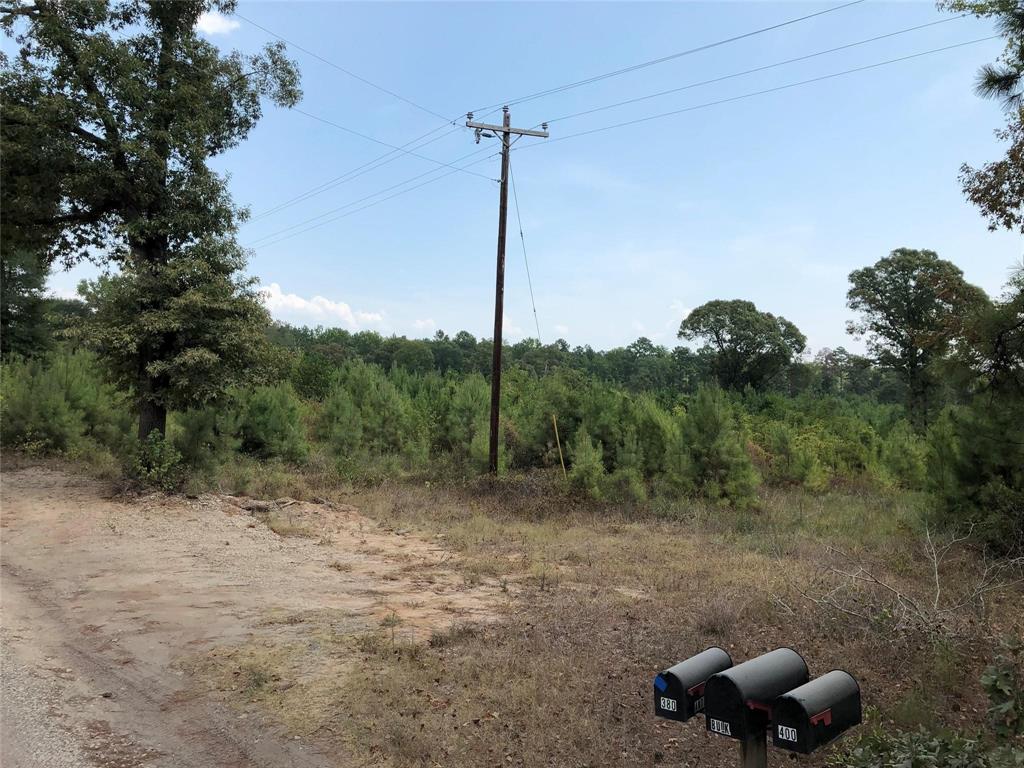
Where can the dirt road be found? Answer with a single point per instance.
(101, 600)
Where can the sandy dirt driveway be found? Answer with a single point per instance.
(101, 597)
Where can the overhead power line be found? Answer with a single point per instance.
(289, 232)
(353, 173)
(340, 68)
(259, 241)
(670, 57)
(378, 202)
(765, 91)
(522, 239)
(754, 70)
(359, 170)
(393, 147)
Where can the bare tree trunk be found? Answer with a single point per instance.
(152, 416)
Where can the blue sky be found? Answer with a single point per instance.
(775, 198)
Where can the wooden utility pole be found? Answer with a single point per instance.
(503, 132)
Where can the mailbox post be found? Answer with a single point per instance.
(754, 752)
(769, 692)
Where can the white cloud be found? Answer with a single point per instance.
(291, 306)
(216, 23)
(63, 293)
(562, 330)
(426, 324)
(510, 330)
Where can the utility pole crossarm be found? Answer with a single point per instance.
(504, 129)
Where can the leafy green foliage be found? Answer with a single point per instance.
(905, 456)
(747, 347)
(23, 328)
(313, 376)
(913, 306)
(884, 749)
(997, 188)
(388, 419)
(111, 171)
(157, 464)
(197, 325)
(467, 413)
(37, 415)
(1003, 681)
(977, 469)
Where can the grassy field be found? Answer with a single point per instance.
(598, 599)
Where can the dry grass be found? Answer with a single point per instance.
(603, 599)
(282, 526)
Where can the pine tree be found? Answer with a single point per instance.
(340, 424)
(587, 471)
(23, 328)
(718, 465)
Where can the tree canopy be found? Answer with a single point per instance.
(111, 112)
(913, 306)
(746, 346)
(997, 188)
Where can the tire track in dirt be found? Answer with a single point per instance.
(102, 598)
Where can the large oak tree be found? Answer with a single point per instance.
(746, 346)
(913, 308)
(111, 113)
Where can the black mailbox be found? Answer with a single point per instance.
(679, 690)
(738, 701)
(814, 714)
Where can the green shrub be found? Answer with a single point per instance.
(157, 464)
(270, 424)
(625, 485)
(816, 479)
(467, 412)
(106, 414)
(883, 749)
(1004, 684)
(313, 376)
(480, 448)
(655, 432)
(790, 461)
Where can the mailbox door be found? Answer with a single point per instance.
(791, 729)
(667, 701)
(727, 713)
